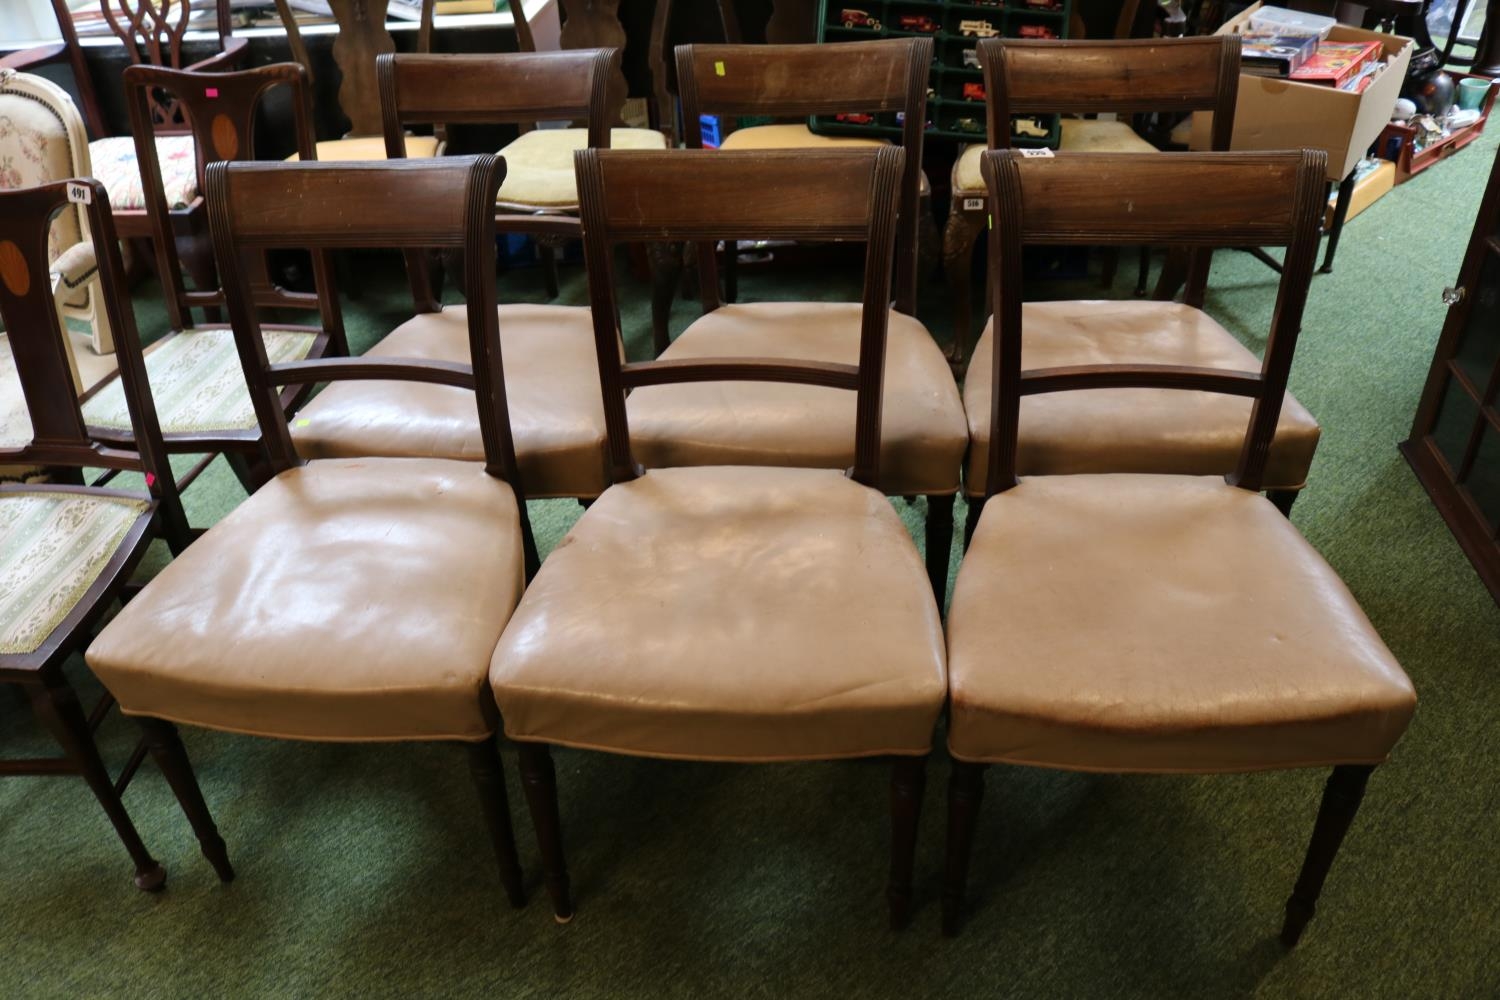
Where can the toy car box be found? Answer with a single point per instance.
(1284, 114)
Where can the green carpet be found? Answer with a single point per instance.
(365, 870)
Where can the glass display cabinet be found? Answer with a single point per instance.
(1454, 446)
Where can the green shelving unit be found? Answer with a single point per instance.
(952, 111)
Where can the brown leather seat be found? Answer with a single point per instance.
(1130, 430)
(763, 423)
(771, 614)
(1160, 623)
(347, 599)
(551, 384)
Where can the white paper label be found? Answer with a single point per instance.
(1043, 153)
(973, 204)
(80, 194)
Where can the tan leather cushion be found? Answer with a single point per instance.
(344, 600)
(728, 614)
(371, 147)
(765, 423)
(1078, 135)
(1160, 623)
(539, 163)
(551, 382)
(1130, 430)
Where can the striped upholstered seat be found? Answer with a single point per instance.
(53, 546)
(197, 382)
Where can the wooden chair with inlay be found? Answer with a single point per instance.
(793, 82)
(347, 600)
(1034, 77)
(1127, 429)
(922, 427)
(556, 414)
(201, 396)
(152, 33)
(67, 550)
(1157, 623)
(732, 613)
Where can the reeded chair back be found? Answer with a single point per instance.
(326, 206)
(795, 81)
(1129, 76)
(220, 110)
(60, 439)
(639, 196)
(1178, 200)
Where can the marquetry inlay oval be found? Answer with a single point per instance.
(13, 270)
(226, 139)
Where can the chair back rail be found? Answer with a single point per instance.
(1029, 76)
(1190, 200)
(800, 80)
(220, 109)
(447, 202)
(506, 89)
(631, 195)
(60, 438)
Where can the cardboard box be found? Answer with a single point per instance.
(1367, 190)
(1282, 114)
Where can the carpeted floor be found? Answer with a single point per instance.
(364, 870)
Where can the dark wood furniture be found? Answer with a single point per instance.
(152, 33)
(63, 444)
(1454, 446)
(797, 81)
(220, 111)
(362, 37)
(1125, 77)
(451, 539)
(729, 563)
(1193, 630)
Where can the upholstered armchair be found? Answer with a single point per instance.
(42, 140)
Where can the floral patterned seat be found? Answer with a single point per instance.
(116, 168)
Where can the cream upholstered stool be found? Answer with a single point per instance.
(1157, 622)
(552, 377)
(67, 551)
(730, 613)
(354, 600)
(1083, 77)
(1130, 429)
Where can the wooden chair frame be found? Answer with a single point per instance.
(676, 195)
(151, 36)
(62, 443)
(1194, 201)
(1024, 76)
(220, 111)
(801, 80)
(325, 206)
(519, 89)
(795, 81)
